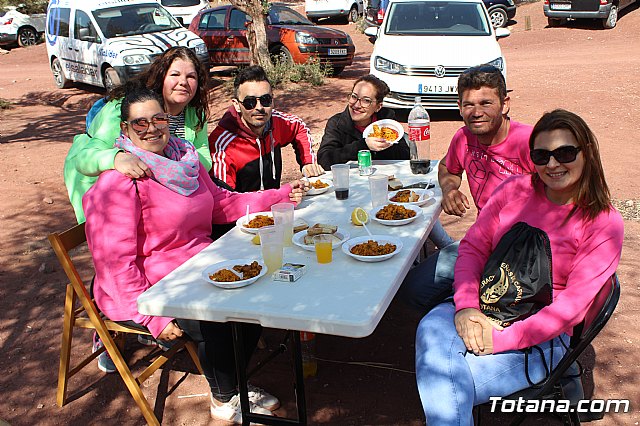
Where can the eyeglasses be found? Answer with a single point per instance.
(564, 154)
(250, 102)
(141, 125)
(353, 99)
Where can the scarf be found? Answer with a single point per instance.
(177, 170)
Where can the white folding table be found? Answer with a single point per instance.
(345, 297)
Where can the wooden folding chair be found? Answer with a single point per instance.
(87, 316)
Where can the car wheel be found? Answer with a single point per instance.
(611, 20)
(58, 74)
(353, 14)
(498, 17)
(110, 79)
(555, 22)
(281, 54)
(27, 37)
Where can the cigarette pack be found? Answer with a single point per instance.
(289, 272)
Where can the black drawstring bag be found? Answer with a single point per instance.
(517, 278)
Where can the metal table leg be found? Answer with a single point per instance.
(241, 371)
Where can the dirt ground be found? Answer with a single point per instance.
(580, 67)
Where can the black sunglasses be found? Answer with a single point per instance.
(250, 102)
(564, 154)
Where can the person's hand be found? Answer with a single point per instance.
(311, 170)
(130, 165)
(170, 332)
(487, 333)
(377, 144)
(454, 202)
(470, 331)
(299, 188)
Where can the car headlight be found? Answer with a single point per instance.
(349, 41)
(136, 60)
(498, 63)
(387, 66)
(306, 38)
(510, 2)
(200, 49)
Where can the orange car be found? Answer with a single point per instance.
(292, 37)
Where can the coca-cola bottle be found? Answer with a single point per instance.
(419, 139)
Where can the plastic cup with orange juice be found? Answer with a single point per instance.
(324, 248)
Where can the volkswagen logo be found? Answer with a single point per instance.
(439, 71)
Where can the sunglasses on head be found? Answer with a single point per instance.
(250, 102)
(141, 125)
(564, 154)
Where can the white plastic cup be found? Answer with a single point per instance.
(272, 245)
(340, 174)
(378, 186)
(283, 216)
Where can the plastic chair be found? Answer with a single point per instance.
(88, 316)
(597, 316)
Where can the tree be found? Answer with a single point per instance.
(258, 10)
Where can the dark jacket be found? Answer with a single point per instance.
(342, 141)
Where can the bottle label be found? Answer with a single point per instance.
(420, 133)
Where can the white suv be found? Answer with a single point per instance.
(422, 46)
(184, 10)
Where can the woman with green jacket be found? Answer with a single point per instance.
(179, 77)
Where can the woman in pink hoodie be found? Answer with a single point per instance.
(462, 359)
(140, 230)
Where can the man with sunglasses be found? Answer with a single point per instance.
(246, 145)
(489, 148)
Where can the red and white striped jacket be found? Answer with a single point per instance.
(246, 162)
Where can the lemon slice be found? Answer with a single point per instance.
(359, 216)
(256, 239)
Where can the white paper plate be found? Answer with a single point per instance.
(427, 195)
(242, 221)
(418, 210)
(385, 123)
(314, 191)
(298, 239)
(228, 264)
(380, 239)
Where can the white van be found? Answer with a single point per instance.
(316, 9)
(104, 42)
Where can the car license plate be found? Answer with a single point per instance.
(437, 88)
(337, 52)
(561, 6)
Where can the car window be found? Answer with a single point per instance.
(135, 19)
(83, 28)
(286, 16)
(213, 20)
(59, 24)
(441, 18)
(237, 20)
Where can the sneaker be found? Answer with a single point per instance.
(232, 412)
(150, 341)
(105, 363)
(262, 398)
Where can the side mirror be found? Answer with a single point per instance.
(84, 34)
(502, 32)
(372, 31)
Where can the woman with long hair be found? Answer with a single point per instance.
(462, 357)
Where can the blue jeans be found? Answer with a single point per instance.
(451, 381)
(431, 282)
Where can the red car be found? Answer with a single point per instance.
(292, 37)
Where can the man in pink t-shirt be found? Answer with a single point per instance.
(489, 148)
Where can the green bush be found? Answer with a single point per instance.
(313, 72)
(4, 104)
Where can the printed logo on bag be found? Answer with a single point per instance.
(491, 291)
